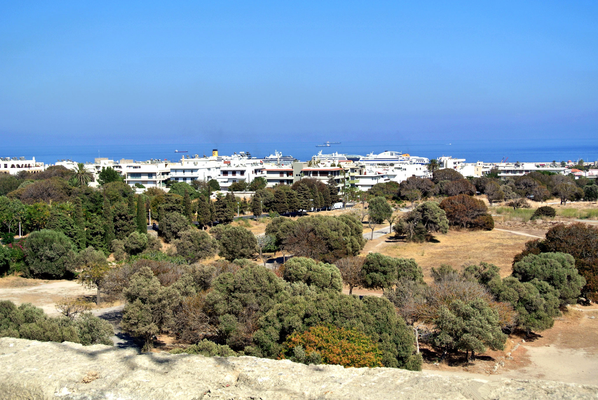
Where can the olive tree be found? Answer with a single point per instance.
(49, 254)
(195, 245)
(234, 242)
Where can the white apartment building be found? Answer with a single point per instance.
(146, 173)
(226, 170)
(520, 169)
(14, 165)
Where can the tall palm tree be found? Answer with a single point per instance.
(81, 176)
(433, 165)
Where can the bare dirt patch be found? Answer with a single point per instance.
(45, 294)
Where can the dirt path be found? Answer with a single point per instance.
(519, 233)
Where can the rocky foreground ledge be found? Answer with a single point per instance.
(43, 370)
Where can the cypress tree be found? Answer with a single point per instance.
(203, 211)
(141, 220)
(280, 201)
(187, 206)
(212, 208)
(256, 206)
(81, 240)
(108, 222)
(131, 204)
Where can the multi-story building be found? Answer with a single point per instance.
(148, 173)
(520, 169)
(15, 165)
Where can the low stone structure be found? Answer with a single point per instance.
(44, 370)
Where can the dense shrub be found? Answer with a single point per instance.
(464, 211)
(321, 275)
(545, 211)
(332, 345)
(382, 271)
(556, 269)
(376, 317)
(581, 241)
(207, 348)
(29, 322)
(483, 222)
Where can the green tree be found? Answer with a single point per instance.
(11, 213)
(590, 192)
(433, 165)
(382, 271)
(5, 259)
(172, 225)
(149, 308)
(471, 326)
(204, 212)
(108, 175)
(376, 317)
(256, 206)
(234, 242)
(135, 243)
(81, 239)
(8, 183)
(195, 245)
(568, 191)
(81, 176)
(240, 186)
(535, 309)
(37, 216)
(322, 238)
(93, 267)
(379, 211)
(446, 174)
(132, 206)
(556, 269)
(224, 213)
(313, 273)
(124, 222)
(179, 188)
(49, 254)
(108, 223)
(141, 219)
(418, 224)
(258, 183)
(95, 234)
(213, 185)
(578, 239)
(280, 201)
(187, 206)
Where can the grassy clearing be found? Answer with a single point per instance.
(575, 213)
(509, 214)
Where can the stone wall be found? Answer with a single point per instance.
(44, 370)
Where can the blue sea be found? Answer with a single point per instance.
(487, 150)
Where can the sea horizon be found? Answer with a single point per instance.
(486, 150)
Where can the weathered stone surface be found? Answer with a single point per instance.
(36, 370)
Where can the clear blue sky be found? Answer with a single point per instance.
(87, 71)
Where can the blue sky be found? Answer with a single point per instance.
(125, 71)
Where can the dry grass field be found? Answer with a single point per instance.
(457, 248)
